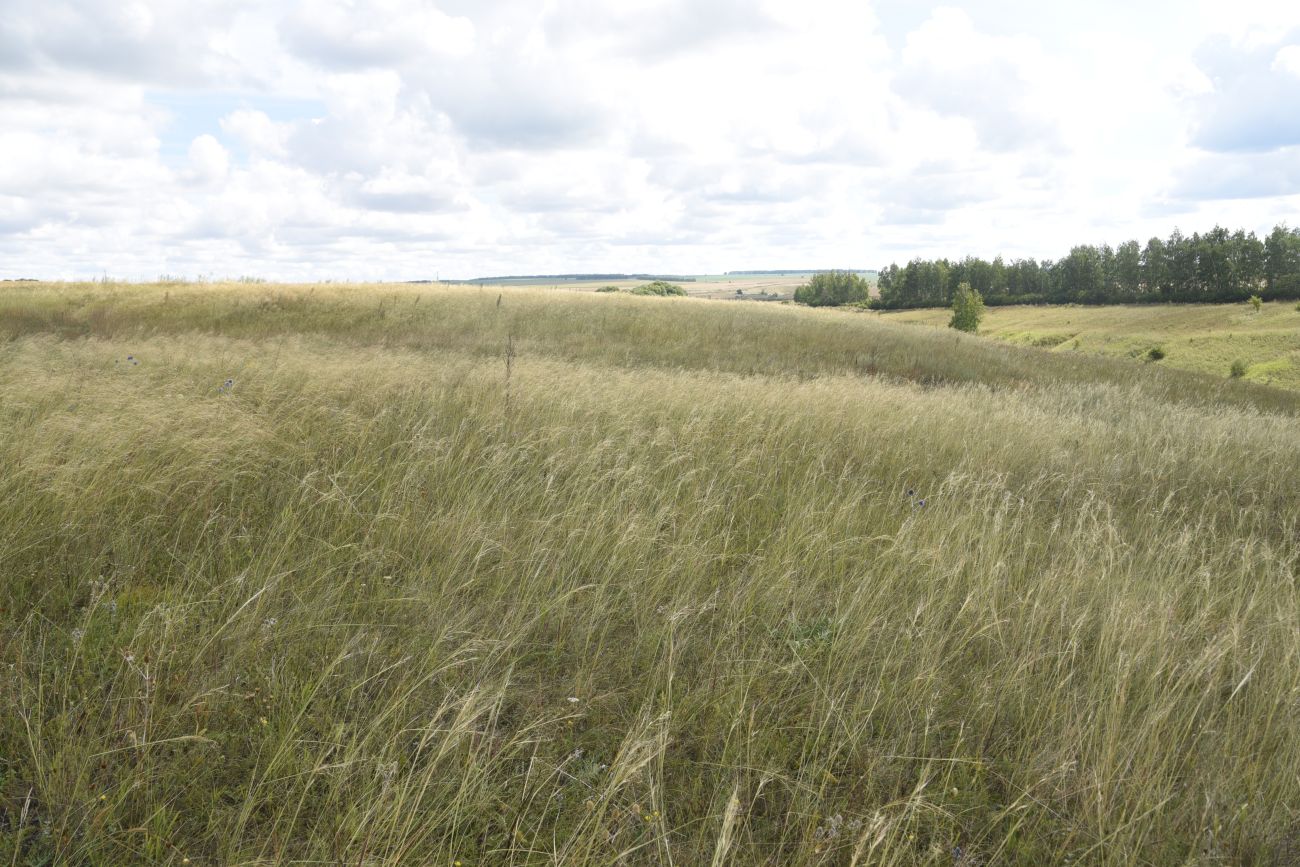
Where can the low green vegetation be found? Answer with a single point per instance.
(1205, 338)
(660, 288)
(381, 575)
(833, 289)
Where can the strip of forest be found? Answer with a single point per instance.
(1215, 267)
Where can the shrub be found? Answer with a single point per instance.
(607, 289)
(1155, 353)
(1256, 301)
(659, 287)
(967, 309)
(833, 289)
(1238, 369)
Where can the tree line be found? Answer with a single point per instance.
(1217, 266)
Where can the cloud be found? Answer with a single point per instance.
(930, 191)
(991, 81)
(656, 30)
(1287, 60)
(402, 138)
(380, 34)
(1217, 176)
(403, 192)
(256, 131)
(1251, 106)
(129, 40)
(208, 159)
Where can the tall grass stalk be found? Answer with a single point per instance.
(727, 585)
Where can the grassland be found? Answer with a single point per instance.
(376, 575)
(715, 286)
(1205, 338)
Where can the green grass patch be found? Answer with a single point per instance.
(1204, 338)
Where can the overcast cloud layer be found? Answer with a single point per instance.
(401, 139)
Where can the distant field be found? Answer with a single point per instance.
(1205, 338)
(719, 286)
(380, 575)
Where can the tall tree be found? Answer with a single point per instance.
(1128, 271)
(1082, 276)
(1217, 266)
(1155, 270)
(1282, 262)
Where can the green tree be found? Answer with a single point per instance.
(833, 289)
(1282, 262)
(967, 309)
(1218, 266)
(1083, 278)
(1246, 257)
(1181, 256)
(1155, 270)
(1128, 271)
(889, 287)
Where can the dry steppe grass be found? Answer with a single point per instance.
(451, 575)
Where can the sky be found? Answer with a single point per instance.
(425, 139)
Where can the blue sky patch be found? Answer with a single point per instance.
(192, 114)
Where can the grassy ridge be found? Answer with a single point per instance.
(660, 590)
(723, 337)
(1205, 338)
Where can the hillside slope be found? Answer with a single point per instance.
(364, 575)
(1205, 338)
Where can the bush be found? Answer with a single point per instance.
(659, 287)
(1155, 353)
(967, 309)
(1238, 369)
(607, 289)
(833, 289)
(1256, 301)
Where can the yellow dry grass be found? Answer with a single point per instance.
(454, 576)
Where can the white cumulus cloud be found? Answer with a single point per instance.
(404, 138)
